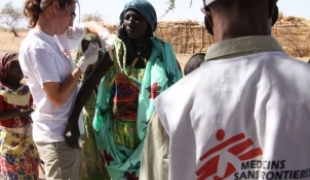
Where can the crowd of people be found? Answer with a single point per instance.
(123, 110)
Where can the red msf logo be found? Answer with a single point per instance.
(239, 149)
(65, 53)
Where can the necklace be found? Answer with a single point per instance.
(139, 55)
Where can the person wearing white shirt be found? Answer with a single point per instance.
(52, 78)
(243, 114)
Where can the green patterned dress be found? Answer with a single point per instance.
(125, 106)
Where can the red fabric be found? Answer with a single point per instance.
(6, 107)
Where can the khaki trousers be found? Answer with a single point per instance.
(60, 161)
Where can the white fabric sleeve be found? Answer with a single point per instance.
(44, 66)
(75, 34)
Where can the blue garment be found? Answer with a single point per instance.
(145, 8)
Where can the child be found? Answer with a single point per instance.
(18, 154)
(194, 62)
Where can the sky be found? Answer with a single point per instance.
(110, 9)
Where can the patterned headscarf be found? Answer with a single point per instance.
(147, 11)
(5, 63)
(144, 8)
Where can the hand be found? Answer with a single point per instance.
(89, 57)
(72, 134)
(107, 41)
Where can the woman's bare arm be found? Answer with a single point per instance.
(99, 70)
(59, 93)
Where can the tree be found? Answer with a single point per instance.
(172, 3)
(10, 16)
(92, 17)
(171, 6)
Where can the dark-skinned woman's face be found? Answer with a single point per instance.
(135, 24)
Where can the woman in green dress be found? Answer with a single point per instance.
(143, 67)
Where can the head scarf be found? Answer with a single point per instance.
(5, 63)
(144, 8)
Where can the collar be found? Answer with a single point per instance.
(242, 46)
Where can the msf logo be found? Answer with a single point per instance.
(239, 146)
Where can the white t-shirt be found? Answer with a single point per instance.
(241, 118)
(46, 58)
